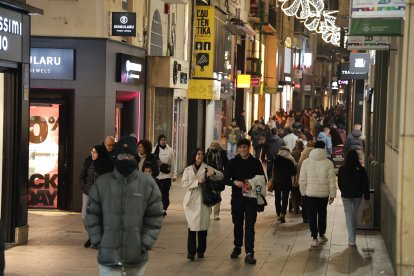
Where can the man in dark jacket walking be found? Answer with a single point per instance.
(240, 174)
(270, 150)
(124, 214)
(356, 141)
(284, 167)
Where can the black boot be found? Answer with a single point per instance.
(236, 252)
(191, 257)
(250, 259)
(87, 243)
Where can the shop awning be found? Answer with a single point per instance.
(21, 7)
(240, 30)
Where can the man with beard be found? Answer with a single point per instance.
(124, 214)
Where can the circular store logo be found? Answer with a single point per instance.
(124, 19)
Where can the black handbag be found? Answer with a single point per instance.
(165, 168)
(210, 192)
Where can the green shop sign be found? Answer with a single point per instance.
(376, 27)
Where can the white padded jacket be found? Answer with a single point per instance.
(317, 175)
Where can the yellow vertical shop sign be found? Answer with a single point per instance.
(201, 89)
(204, 42)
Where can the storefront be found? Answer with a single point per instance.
(81, 90)
(14, 116)
(167, 104)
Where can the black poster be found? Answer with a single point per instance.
(124, 24)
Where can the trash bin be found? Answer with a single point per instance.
(366, 216)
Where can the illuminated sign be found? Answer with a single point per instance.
(124, 24)
(11, 35)
(52, 64)
(378, 9)
(130, 69)
(243, 81)
(359, 62)
(254, 82)
(344, 73)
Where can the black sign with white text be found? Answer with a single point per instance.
(11, 35)
(345, 74)
(52, 64)
(124, 24)
(130, 69)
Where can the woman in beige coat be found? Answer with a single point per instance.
(196, 212)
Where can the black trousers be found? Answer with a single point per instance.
(281, 200)
(244, 211)
(269, 169)
(192, 247)
(304, 209)
(165, 185)
(316, 207)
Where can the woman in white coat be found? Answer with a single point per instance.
(196, 212)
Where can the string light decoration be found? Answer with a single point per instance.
(312, 11)
(306, 7)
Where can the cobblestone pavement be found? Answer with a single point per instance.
(56, 246)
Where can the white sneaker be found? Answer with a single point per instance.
(315, 243)
(323, 239)
(351, 243)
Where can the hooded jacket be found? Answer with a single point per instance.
(124, 217)
(317, 175)
(354, 141)
(327, 140)
(166, 156)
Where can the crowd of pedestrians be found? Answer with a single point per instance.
(126, 185)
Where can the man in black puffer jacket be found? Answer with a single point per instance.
(124, 214)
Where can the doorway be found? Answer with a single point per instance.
(127, 114)
(50, 149)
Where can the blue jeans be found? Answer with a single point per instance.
(231, 150)
(351, 207)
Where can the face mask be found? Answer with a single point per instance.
(126, 167)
